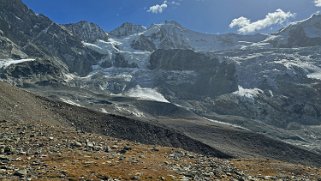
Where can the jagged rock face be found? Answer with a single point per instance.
(39, 37)
(86, 31)
(143, 43)
(169, 35)
(209, 77)
(8, 49)
(120, 61)
(16, 16)
(34, 71)
(57, 42)
(180, 60)
(127, 29)
(300, 34)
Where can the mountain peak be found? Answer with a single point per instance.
(167, 23)
(303, 33)
(314, 21)
(127, 29)
(172, 22)
(83, 22)
(87, 31)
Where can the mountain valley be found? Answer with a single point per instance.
(220, 99)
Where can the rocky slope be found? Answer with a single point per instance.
(230, 139)
(217, 95)
(48, 145)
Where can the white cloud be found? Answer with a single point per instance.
(317, 3)
(246, 26)
(158, 8)
(240, 22)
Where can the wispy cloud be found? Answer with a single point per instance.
(175, 3)
(158, 8)
(317, 3)
(246, 26)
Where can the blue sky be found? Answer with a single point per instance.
(210, 16)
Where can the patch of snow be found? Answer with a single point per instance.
(259, 45)
(248, 93)
(312, 71)
(70, 102)
(123, 47)
(4, 63)
(103, 47)
(69, 77)
(103, 110)
(315, 75)
(137, 113)
(18, 18)
(112, 41)
(289, 64)
(92, 46)
(132, 112)
(224, 123)
(146, 94)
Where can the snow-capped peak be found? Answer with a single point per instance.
(311, 26)
(303, 33)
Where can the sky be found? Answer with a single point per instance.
(208, 16)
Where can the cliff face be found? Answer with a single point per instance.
(127, 29)
(213, 78)
(86, 31)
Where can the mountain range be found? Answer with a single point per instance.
(231, 95)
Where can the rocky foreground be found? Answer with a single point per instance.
(41, 151)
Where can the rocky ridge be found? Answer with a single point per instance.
(304, 33)
(127, 29)
(38, 37)
(86, 31)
